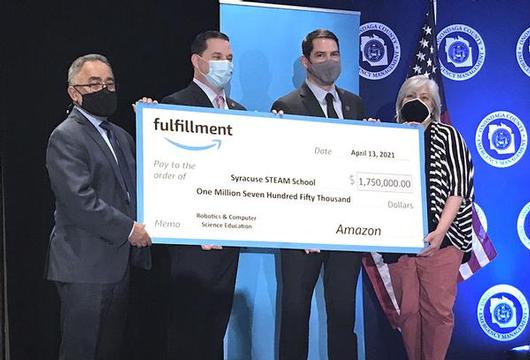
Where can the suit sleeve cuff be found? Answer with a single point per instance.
(132, 230)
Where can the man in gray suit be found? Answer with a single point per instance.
(91, 165)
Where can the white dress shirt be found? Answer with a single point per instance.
(320, 94)
(211, 94)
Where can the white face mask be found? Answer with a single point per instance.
(219, 73)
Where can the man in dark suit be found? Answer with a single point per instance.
(319, 96)
(91, 165)
(203, 277)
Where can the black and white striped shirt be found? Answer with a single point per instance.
(450, 173)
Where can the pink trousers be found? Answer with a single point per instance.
(425, 289)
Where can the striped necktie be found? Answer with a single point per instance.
(220, 102)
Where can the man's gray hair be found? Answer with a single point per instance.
(414, 83)
(80, 61)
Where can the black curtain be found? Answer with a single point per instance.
(2, 255)
(147, 42)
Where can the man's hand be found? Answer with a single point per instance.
(371, 119)
(144, 100)
(312, 251)
(211, 247)
(279, 112)
(139, 237)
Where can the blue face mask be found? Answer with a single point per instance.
(220, 73)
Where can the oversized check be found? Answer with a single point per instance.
(236, 178)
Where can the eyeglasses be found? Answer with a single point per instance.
(97, 86)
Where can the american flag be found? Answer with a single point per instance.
(426, 58)
(483, 252)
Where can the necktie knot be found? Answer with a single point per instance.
(220, 102)
(106, 126)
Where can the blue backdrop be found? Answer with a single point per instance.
(266, 42)
(485, 54)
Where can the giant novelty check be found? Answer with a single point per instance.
(252, 179)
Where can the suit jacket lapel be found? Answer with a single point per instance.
(231, 104)
(130, 159)
(310, 102)
(199, 97)
(98, 139)
(129, 156)
(347, 111)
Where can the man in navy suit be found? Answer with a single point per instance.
(211, 57)
(319, 96)
(203, 277)
(91, 166)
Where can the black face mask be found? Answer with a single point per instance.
(100, 103)
(414, 110)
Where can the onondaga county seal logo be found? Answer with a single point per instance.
(380, 51)
(502, 312)
(523, 226)
(461, 52)
(501, 139)
(522, 51)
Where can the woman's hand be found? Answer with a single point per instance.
(434, 239)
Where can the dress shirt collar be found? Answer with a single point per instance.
(209, 92)
(94, 120)
(320, 93)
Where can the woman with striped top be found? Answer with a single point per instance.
(425, 285)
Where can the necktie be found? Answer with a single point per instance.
(120, 157)
(220, 102)
(331, 109)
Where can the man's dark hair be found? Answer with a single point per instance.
(199, 44)
(307, 43)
